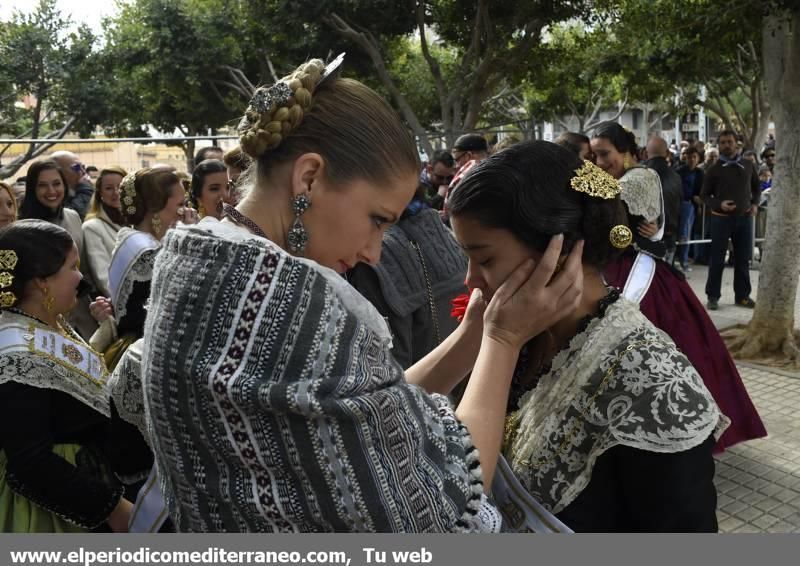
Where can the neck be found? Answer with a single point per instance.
(594, 290)
(269, 213)
(35, 308)
(146, 226)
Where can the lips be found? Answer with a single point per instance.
(344, 267)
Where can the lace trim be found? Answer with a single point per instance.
(125, 386)
(621, 382)
(641, 192)
(45, 372)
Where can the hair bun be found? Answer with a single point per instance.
(275, 111)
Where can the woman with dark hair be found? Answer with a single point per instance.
(273, 398)
(577, 143)
(55, 472)
(209, 188)
(609, 426)
(45, 192)
(663, 294)
(102, 223)
(8, 205)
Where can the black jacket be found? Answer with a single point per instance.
(672, 188)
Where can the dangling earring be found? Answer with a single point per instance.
(49, 300)
(298, 236)
(201, 210)
(156, 224)
(626, 162)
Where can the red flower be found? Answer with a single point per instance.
(459, 306)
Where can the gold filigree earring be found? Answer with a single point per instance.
(49, 300)
(156, 224)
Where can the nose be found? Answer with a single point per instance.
(371, 254)
(474, 279)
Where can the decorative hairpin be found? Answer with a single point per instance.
(8, 261)
(128, 188)
(595, 182)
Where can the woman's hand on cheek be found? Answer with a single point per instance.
(525, 304)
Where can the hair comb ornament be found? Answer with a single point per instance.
(275, 111)
(620, 236)
(128, 189)
(8, 261)
(595, 182)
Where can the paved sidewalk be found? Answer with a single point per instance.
(758, 482)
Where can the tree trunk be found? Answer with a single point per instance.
(771, 334)
(188, 151)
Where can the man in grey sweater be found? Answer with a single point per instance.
(731, 190)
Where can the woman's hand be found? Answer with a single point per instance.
(648, 229)
(120, 516)
(101, 309)
(532, 300)
(188, 216)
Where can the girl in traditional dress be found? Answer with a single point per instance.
(152, 202)
(55, 471)
(102, 223)
(609, 426)
(272, 395)
(663, 294)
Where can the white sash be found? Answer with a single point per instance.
(640, 278)
(150, 510)
(521, 512)
(16, 338)
(124, 257)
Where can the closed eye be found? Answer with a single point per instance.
(380, 221)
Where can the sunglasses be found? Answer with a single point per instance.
(77, 167)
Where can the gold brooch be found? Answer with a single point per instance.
(620, 236)
(72, 353)
(595, 182)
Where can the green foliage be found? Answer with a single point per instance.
(167, 59)
(60, 70)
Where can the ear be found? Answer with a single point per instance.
(307, 170)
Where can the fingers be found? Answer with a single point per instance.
(549, 262)
(572, 269)
(514, 282)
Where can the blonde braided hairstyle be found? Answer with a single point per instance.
(275, 111)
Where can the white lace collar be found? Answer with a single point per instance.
(620, 382)
(641, 191)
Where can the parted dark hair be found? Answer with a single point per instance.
(526, 190)
(202, 153)
(31, 207)
(41, 247)
(199, 175)
(623, 140)
(572, 141)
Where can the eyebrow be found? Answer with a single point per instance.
(473, 247)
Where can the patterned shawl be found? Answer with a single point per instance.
(620, 382)
(274, 403)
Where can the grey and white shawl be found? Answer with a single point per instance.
(274, 404)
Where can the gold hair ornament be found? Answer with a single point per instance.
(128, 188)
(8, 261)
(620, 236)
(595, 182)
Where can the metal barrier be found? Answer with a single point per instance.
(758, 226)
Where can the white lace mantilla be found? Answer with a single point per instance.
(641, 191)
(132, 262)
(620, 382)
(33, 355)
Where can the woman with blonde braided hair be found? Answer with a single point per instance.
(273, 399)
